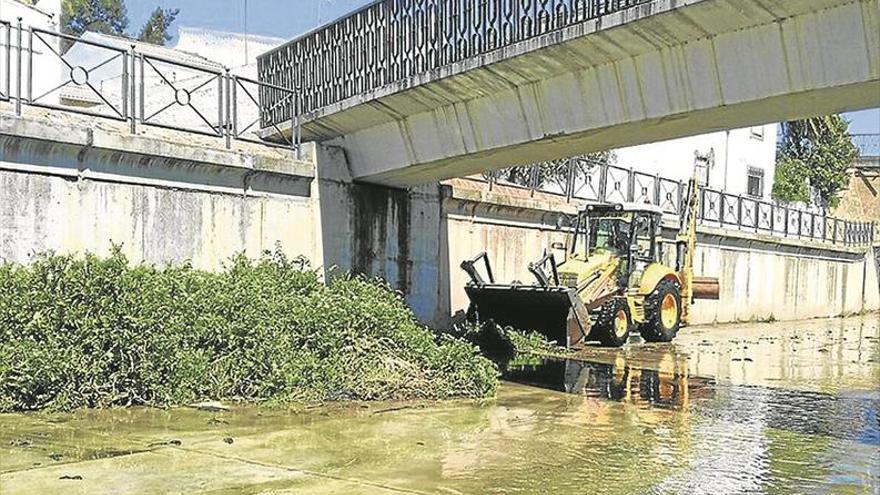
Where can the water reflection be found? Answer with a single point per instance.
(666, 385)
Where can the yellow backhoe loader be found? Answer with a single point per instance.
(611, 282)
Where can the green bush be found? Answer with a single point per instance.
(91, 332)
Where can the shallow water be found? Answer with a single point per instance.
(768, 408)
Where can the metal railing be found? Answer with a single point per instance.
(580, 178)
(143, 89)
(390, 40)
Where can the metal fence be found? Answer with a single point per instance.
(581, 178)
(390, 40)
(139, 88)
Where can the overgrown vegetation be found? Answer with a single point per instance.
(814, 152)
(504, 344)
(92, 332)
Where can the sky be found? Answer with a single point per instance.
(289, 18)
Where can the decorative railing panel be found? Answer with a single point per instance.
(670, 195)
(748, 209)
(711, 205)
(391, 40)
(765, 218)
(84, 83)
(730, 209)
(182, 96)
(586, 180)
(644, 189)
(617, 181)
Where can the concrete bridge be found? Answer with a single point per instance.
(421, 90)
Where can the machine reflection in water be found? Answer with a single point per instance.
(663, 382)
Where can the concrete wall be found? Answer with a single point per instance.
(69, 185)
(398, 235)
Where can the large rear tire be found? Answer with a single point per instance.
(662, 313)
(614, 323)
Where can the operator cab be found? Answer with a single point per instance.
(627, 232)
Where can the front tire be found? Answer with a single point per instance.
(663, 313)
(614, 323)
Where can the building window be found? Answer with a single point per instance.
(755, 184)
(757, 132)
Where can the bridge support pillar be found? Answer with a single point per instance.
(395, 234)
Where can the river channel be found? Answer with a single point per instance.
(753, 408)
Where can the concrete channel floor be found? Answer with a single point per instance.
(758, 408)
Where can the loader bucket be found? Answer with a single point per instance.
(555, 312)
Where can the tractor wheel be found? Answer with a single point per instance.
(662, 313)
(614, 323)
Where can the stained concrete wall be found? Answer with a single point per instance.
(71, 184)
(397, 235)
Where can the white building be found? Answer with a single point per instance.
(739, 161)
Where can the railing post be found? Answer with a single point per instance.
(228, 102)
(722, 208)
(8, 81)
(533, 180)
(30, 68)
(787, 220)
(603, 183)
(657, 189)
(297, 107)
(772, 219)
(569, 179)
(757, 216)
(800, 232)
(631, 186)
(141, 87)
(834, 232)
(131, 84)
(739, 211)
(18, 70)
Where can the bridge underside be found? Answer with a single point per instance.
(662, 70)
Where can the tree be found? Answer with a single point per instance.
(817, 152)
(790, 183)
(156, 29)
(101, 16)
